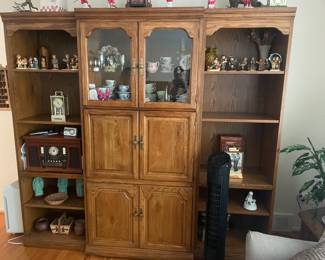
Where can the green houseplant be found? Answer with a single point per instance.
(309, 159)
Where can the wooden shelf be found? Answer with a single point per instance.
(46, 120)
(73, 203)
(49, 240)
(46, 71)
(252, 180)
(235, 207)
(214, 117)
(51, 175)
(265, 72)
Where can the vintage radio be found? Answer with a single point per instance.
(53, 153)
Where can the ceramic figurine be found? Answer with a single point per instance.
(111, 3)
(216, 65)
(234, 3)
(275, 60)
(224, 63)
(79, 188)
(85, 4)
(211, 3)
(66, 61)
(232, 65)
(74, 62)
(261, 65)
(244, 64)
(22, 7)
(38, 186)
(43, 52)
(247, 3)
(55, 62)
(35, 61)
(19, 59)
(43, 63)
(31, 63)
(63, 185)
(252, 66)
(24, 63)
(250, 202)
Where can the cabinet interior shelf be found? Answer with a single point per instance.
(51, 175)
(252, 180)
(62, 71)
(235, 207)
(72, 203)
(49, 240)
(46, 120)
(215, 117)
(265, 72)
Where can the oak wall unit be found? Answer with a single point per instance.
(145, 149)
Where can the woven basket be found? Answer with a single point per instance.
(61, 225)
(56, 199)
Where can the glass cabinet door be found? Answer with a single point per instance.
(168, 64)
(110, 69)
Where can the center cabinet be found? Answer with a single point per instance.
(140, 76)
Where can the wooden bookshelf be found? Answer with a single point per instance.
(72, 203)
(46, 120)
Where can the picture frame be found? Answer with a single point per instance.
(234, 147)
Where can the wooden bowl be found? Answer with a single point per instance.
(56, 198)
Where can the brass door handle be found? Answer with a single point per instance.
(140, 213)
(135, 141)
(141, 142)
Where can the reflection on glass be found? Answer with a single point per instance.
(168, 66)
(109, 65)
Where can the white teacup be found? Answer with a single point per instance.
(110, 83)
(152, 67)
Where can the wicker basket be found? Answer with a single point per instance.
(56, 199)
(61, 225)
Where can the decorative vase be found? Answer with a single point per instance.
(263, 51)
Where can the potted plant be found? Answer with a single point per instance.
(310, 159)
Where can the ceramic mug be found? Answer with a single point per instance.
(150, 88)
(124, 95)
(110, 83)
(152, 67)
(123, 88)
(161, 95)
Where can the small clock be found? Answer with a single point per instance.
(277, 2)
(59, 107)
(138, 3)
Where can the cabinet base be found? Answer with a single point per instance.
(138, 253)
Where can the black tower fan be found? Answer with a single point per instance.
(219, 166)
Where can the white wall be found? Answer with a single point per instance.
(304, 110)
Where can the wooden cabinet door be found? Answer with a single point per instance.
(167, 146)
(169, 60)
(109, 143)
(166, 223)
(110, 215)
(109, 52)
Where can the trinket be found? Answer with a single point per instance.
(216, 65)
(36, 65)
(233, 63)
(43, 63)
(111, 3)
(250, 202)
(275, 60)
(62, 185)
(66, 61)
(261, 64)
(210, 56)
(22, 7)
(55, 62)
(244, 64)
(234, 3)
(211, 3)
(85, 4)
(252, 66)
(170, 3)
(19, 61)
(224, 63)
(38, 186)
(31, 63)
(247, 3)
(74, 62)
(24, 63)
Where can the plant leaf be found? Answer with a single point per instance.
(302, 159)
(303, 168)
(306, 186)
(296, 147)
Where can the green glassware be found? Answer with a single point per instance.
(80, 188)
(63, 185)
(38, 186)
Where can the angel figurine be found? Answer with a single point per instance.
(275, 60)
(19, 61)
(250, 202)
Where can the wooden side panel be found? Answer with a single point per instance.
(167, 219)
(109, 136)
(110, 219)
(167, 146)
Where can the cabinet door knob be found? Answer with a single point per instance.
(140, 213)
(135, 141)
(136, 213)
(141, 142)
